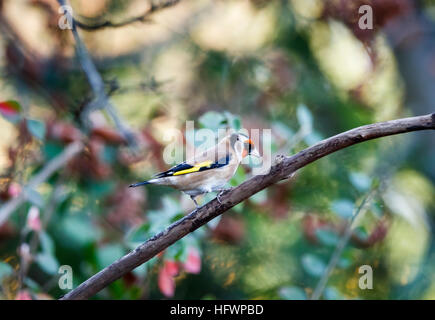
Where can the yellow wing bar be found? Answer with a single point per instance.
(195, 168)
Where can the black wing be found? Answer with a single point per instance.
(171, 171)
(184, 168)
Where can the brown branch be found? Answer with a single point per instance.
(100, 99)
(142, 18)
(280, 171)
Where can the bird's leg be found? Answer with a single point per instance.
(218, 197)
(194, 200)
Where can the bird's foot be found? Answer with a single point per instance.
(218, 197)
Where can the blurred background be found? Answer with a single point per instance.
(302, 68)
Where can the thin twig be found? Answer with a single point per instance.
(100, 99)
(142, 18)
(383, 172)
(50, 168)
(230, 198)
(341, 245)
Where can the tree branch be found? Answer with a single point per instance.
(100, 100)
(280, 171)
(142, 18)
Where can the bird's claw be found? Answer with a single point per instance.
(218, 197)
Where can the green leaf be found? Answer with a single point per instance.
(233, 121)
(109, 253)
(34, 197)
(361, 233)
(177, 251)
(239, 207)
(292, 293)
(78, 231)
(214, 222)
(238, 177)
(327, 237)
(47, 243)
(170, 208)
(360, 181)
(282, 130)
(34, 286)
(5, 270)
(140, 234)
(177, 217)
(376, 208)
(312, 138)
(10, 106)
(305, 118)
(52, 149)
(313, 265)
(160, 219)
(142, 270)
(47, 262)
(100, 188)
(344, 263)
(259, 197)
(343, 207)
(331, 293)
(36, 128)
(109, 154)
(211, 120)
(10, 110)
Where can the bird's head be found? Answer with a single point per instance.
(243, 146)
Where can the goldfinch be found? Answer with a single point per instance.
(210, 170)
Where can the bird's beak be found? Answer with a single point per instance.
(255, 153)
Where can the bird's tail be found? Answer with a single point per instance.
(139, 184)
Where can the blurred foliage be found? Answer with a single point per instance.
(300, 68)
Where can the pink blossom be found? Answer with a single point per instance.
(171, 267)
(14, 189)
(166, 278)
(23, 295)
(193, 262)
(33, 219)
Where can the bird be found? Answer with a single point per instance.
(209, 171)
